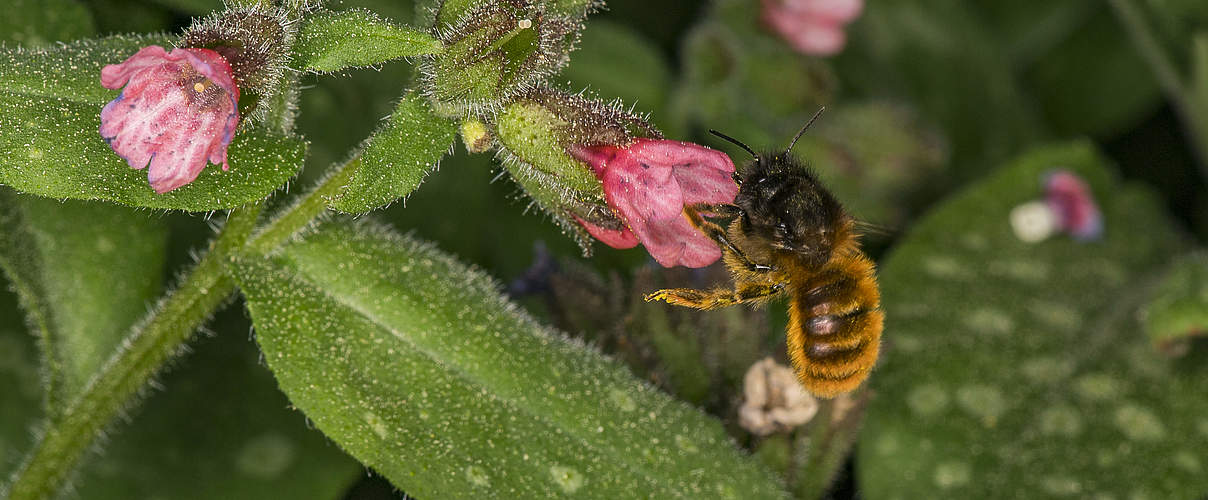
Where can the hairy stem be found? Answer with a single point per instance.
(1190, 112)
(157, 339)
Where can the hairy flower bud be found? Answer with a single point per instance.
(494, 51)
(614, 175)
(537, 130)
(255, 42)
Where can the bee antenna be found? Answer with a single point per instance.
(803, 129)
(733, 140)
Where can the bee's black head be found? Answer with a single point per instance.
(784, 205)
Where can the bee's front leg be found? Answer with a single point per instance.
(717, 234)
(718, 297)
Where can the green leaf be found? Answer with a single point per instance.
(242, 442)
(69, 71)
(50, 103)
(332, 41)
(35, 23)
(66, 272)
(1094, 81)
(912, 49)
(51, 148)
(1013, 367)
(396, 159)
(20, 384)
(1179, 308)
(417, 366)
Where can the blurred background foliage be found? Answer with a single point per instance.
(929, 99)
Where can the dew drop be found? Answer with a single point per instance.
(1061, 485)
(982, 401)
(1061, 420)
(927, 400)
(943, 266)
(1139, 423)
(567, 478)
(988, 320)
(377, 424)
(1188, 462)
(685, 444)
(622, 400)
(477, 476)
(1046, 369)
(952, 474)
(1097, 387)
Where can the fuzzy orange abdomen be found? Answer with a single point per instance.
(835, 323)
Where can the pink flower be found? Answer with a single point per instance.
(648, 183)
(811, 26)
(1070, 200)
(177, 112)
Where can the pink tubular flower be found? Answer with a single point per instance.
(648, 183)
(1070, 200)
(811, 26)
(177, 112)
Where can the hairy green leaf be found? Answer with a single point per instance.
(19, 378)
(34, 23)
(50, 102)
(1015, 369)
(1179, 308)
(332, 41)
(417, 366)
(51, 147)
(83, 285)
(69, 71)
(221, 429)
(396, 159)
(913, 48)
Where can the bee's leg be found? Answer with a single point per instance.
(717, 233)
(712, 299)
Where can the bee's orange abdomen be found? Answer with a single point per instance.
(835, 323)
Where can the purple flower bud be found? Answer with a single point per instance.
(1071, 201)
(176, 113)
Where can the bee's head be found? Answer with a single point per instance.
(784, 204)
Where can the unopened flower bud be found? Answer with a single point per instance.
(536, 132)
(254, 41)
(494, 51)
(475, 136)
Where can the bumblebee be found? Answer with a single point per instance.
(790, 236)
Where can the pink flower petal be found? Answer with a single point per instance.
(177, 112)
(621, 239)
(833, 11)
(648, 184)
(1070, 199)
(811, 26)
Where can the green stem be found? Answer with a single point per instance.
(152, 343)
(1184, 102)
